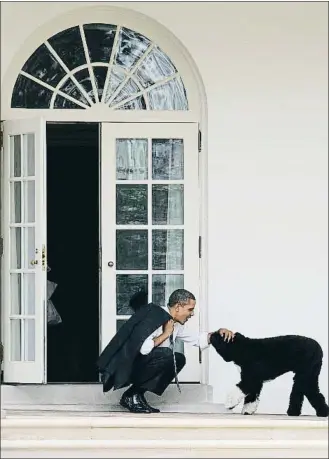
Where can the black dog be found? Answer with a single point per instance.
(265, 359)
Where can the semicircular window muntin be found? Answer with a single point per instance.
(99, 64)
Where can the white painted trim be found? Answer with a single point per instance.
(100, 113)
(2, 266)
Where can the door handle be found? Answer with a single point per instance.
(43, 256)
(34, 262)
(110, 264)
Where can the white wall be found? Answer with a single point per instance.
(265, 70)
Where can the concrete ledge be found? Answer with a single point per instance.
(163, 444)
(92, 394)
(156, 421)
(78, 409)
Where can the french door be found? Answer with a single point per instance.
(24, 258)
(150, 225)
(149, 232)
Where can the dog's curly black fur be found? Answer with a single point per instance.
(265, 359)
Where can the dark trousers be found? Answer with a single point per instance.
(155, 371)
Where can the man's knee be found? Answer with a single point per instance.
(180, 360)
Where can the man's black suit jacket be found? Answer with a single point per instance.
(117, 359)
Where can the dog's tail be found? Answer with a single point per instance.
(138, 300)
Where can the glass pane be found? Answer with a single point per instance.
(29, 201)
(43, 65)
(15, 293)
(131, 159)
(116, 78)
(29, 155)
(15, 202)
(127, 286)
(167, 159)
(131, 47)
(16, 340)
(29, 293)
(168, 204)
(132, 249)
(15, 156)
(72, 90)
(29, 247)
(163, 285)
(29, 338)
(68, 45)
(62, 102)
(15, 246)
(29, 94)
(135, 104)
(169, 96)
(83, 77)
(168, 249)
(155, 67)
(131, 205)
(120, 322)
(100, 77)
(99, 38)
(128, 90)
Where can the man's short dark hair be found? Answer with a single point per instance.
(181, 296)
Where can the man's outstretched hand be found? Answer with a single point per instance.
(227, 334)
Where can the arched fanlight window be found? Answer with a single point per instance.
(99, 64)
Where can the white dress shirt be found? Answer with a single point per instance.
(180, 331)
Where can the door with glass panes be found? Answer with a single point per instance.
(24, 259)
(149, 221)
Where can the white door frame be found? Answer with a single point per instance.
(99, 115)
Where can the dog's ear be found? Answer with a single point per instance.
(223, 348)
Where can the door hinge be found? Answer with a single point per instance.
(100, 258)
(200, 141)
(1, 246)
(1, 134)
(200, 246)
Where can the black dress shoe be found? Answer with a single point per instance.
(133, 404)
(145, 403)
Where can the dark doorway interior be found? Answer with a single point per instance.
(72, 248)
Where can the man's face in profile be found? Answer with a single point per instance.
(183, 312)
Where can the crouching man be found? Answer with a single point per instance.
(142, 354)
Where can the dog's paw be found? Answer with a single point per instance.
(234, 398)
(250, 408)
(323, 413)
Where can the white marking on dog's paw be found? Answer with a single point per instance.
(250, 408)
(234, 398)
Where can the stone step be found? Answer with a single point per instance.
(162, 435)
(103, 410)
(92, 395)
(164, 448)
(161, 427)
